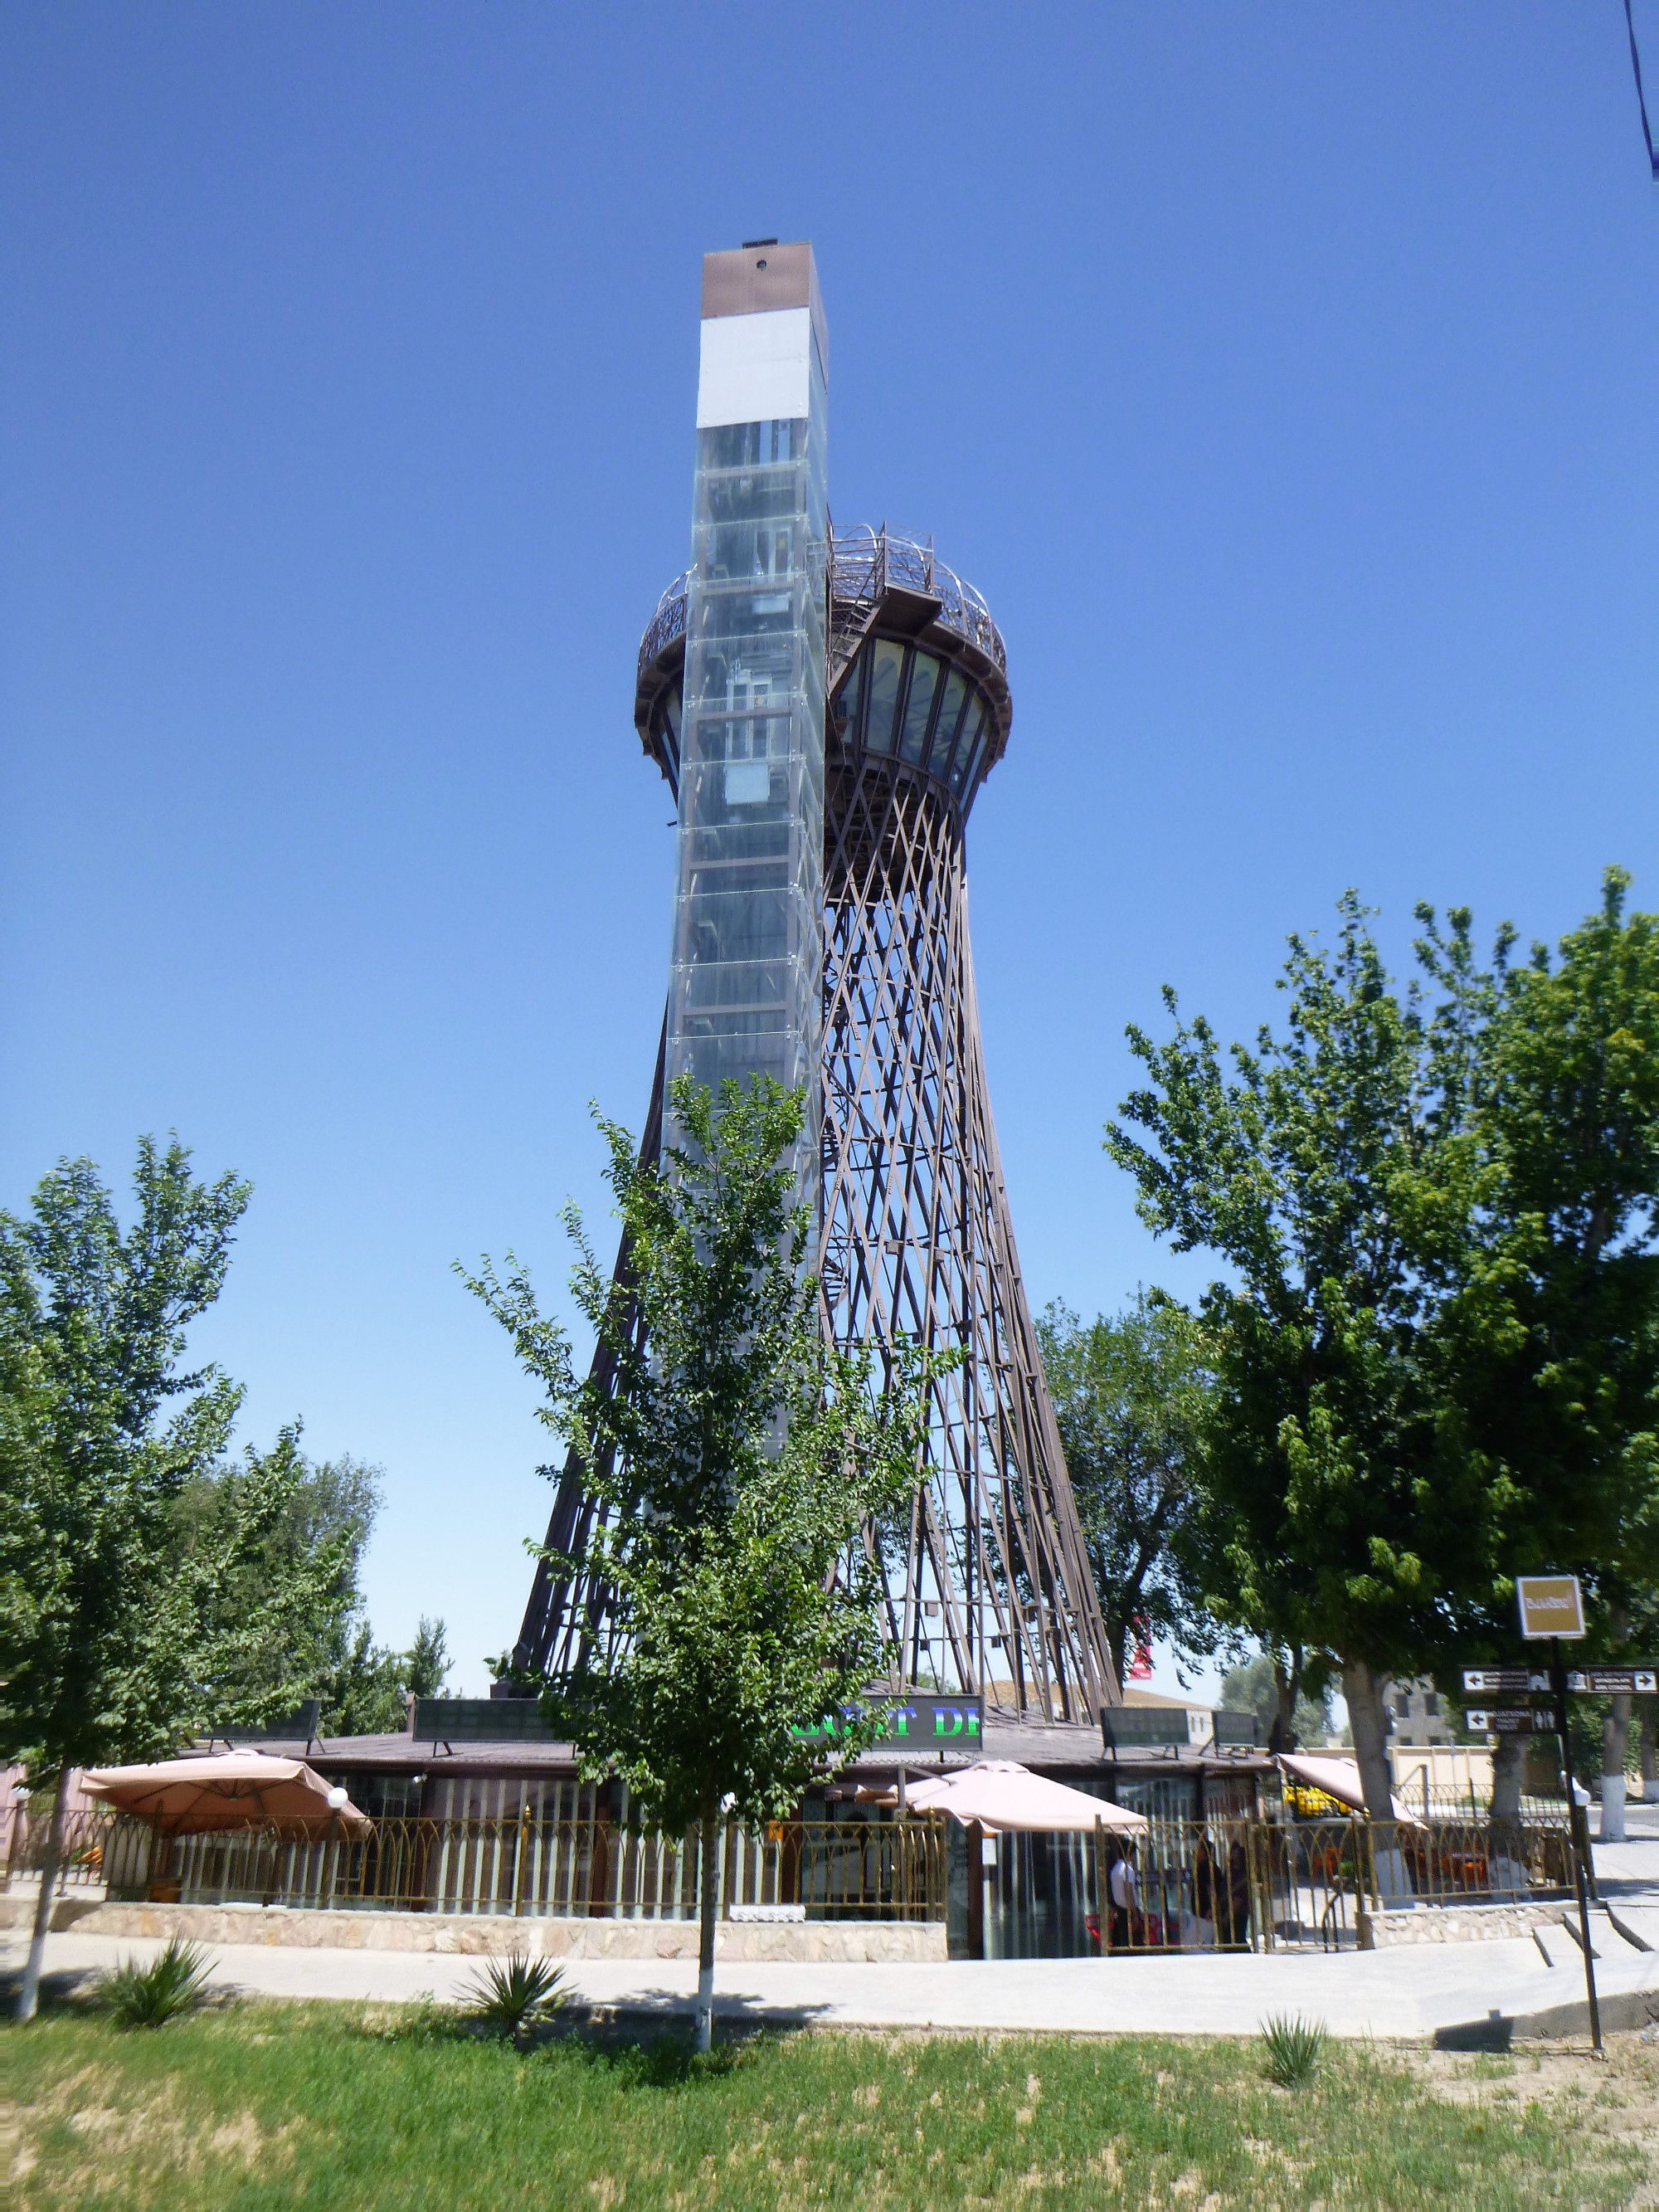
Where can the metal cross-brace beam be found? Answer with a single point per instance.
(990, 1588)
(567, 1613)
(994, 1592)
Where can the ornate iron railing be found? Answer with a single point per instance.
(667, 623)
(828, 1870)
(863, 565)
(867, 562)
(1264, 1884)
(100, 1850)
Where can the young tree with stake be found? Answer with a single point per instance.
(745, 1473)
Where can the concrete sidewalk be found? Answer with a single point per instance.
(1416, 1993)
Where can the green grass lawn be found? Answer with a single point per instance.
(374, 2109)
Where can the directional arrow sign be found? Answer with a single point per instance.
(1493, 1679)
(1515, 1720)
(1611, 1681)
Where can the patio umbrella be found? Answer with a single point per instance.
(1338, 1778)
(229, 1789)
(1001, 1794)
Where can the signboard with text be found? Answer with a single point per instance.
(1639, 1682)
(1550, 1604)
(1616, 1681)
(919, 1718)
(1508, 1720)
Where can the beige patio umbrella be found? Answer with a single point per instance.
(1338, 1778)
(228, 1790)
(1003, 1795)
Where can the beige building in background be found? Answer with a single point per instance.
(1423, 1751)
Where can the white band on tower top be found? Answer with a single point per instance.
(755, 369)
(761, 314)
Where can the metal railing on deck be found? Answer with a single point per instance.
(858, 1869)
(1263, 1885)
(101, 1849)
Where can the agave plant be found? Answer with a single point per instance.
(512, 1996)
(173, 1983)
(1294, 2048)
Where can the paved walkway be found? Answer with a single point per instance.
(1412, 1991)
(1409, 1992)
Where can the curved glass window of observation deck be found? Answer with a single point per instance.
(903, 703)
(916, 666)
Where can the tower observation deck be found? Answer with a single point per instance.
(989, 1591)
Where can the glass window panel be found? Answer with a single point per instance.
(974, 759)
(945, 730)
(918, 706)
(967, 744)
(886, 665)
(748, 783)
(848, 702)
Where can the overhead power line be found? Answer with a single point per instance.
(1641, 97)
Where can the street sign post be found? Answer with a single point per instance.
(1639, 1682)
(1580, 1856)
(1551, 1606)
(1490, 1681)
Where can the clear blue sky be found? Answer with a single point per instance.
(1283, 376)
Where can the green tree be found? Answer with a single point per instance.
(1436, 1359)
(1549, 1333)
(735, 1465)
(330, 1511)
(330, 1653)
(1258, 1686)
(1331, 1178)
(1130, 1395)
(114, 1636)
(426, 1662)
(365, 1687)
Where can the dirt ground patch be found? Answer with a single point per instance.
(1616, 2096)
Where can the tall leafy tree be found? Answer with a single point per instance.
(115, 1637)
(737, 1464)
(332, 1654)
(1436, 1357)
(426, 1662)
(1549, 1332)
(1258, 1686)
(1130, 1394)
(1324, 1175)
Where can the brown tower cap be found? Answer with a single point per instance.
(750, 280)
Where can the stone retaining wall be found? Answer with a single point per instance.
(1458, 1923)
(793, 1941)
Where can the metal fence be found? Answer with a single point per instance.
(1226, 1882)
(1263, 1885)
(858, 1869)
(101, 1849)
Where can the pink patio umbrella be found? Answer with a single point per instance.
(1338, 1778)
(228, 1790)
(1003, 1795)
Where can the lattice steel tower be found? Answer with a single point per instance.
(993, 1590)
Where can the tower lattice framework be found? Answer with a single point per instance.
(991, 1590)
